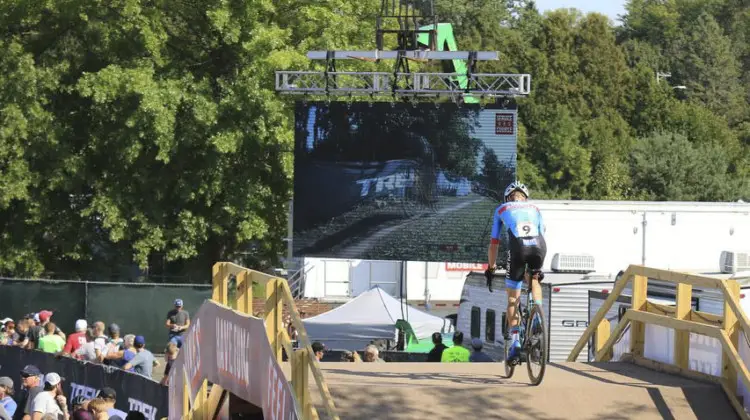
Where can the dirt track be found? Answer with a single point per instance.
(479, 391)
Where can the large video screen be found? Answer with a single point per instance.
(403, 182)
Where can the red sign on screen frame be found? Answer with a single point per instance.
(504, 124)
(452, 266)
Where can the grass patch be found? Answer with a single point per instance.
(462, 235)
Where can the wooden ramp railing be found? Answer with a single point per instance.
(277, 294)
(683, 319)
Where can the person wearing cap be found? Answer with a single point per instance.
(178, 321)
(478, 356)
(144, 361)
(437, 352)
(31, 382)
(110, 397)
(113, 344)
(51, 400)
(319, 349)
(458, 353)
(37, 331)
(77, 339)
(6, 396)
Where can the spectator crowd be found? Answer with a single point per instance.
(42, 396)
(43, 399)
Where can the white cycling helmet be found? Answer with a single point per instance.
(515, 186)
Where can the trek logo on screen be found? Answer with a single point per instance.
(504, 124)
(386, 183)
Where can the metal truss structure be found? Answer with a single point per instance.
(420, 38)
(380, 84)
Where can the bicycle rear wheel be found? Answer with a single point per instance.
(536, 351)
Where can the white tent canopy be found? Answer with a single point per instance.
(370, 316)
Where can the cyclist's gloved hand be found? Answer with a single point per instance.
(488, 274)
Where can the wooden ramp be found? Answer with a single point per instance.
(467, 391)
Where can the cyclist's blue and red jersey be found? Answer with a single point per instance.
(520, 218)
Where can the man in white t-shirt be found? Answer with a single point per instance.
(94, 350)
(51, 400)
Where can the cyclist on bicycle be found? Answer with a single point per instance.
(522, 223)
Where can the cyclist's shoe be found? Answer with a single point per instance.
(488, 275)
(515, 350)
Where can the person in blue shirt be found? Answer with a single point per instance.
(521, 224)
(6, 396)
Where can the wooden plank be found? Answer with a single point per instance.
(611, 299)
(214, 401)
(730, 327)
(677, 277)
(186, 413)
(602, 336)
(244, 288)
(304, 340)
(675, 370)
(665, 321)
(656, 308)
(706, 318)
(216, 282)
(735, 360)
(605, 353)
(682, 338)
(736, 404)
(638, 328)
(736, 309)
(273, 317)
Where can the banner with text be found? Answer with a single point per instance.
(134, 392)
(231, 350)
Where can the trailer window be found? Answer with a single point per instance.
(489, 327)
(476, 320)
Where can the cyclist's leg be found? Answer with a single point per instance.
(535, 258)
(513, 284)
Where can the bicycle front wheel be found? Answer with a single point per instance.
(536, 352)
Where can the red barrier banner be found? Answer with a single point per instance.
(231, 350)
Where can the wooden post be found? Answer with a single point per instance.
(682, 337)
(186, 414)
(300, 383)
(199, 409)
(731, 328)
(273, 316)
(244, 287)
(602, 335)
(638, 329)
(219, 278)
(216, 282)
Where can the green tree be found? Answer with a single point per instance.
(152, 131)
(668, 166)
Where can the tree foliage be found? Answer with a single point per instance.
(147, 133)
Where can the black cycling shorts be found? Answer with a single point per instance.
(525, 251)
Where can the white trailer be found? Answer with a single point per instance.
(606, 235)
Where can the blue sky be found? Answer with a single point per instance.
(611, 8)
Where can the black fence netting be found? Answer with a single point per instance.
(66, 299)
(142, 309)
(137, 308)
